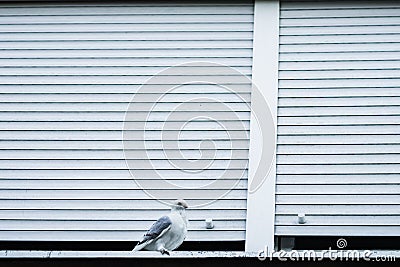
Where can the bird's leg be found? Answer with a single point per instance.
(164, 251)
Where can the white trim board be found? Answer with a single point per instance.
(261, 203)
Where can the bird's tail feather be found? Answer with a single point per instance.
(139, 246)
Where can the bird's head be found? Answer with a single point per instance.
(180, 204)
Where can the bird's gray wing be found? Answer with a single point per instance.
(157, 229)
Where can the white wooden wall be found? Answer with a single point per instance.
(67, 73)
(339, 113)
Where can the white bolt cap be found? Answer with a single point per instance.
(301, 218)
(209, 223)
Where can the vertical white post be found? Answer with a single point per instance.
(261, 202)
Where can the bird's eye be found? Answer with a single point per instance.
(179, 203)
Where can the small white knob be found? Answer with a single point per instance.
(301, 218)
(209, 223)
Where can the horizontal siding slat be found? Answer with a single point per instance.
(210, 174)
(339, 6)
(130, 27)
(337, 56)
(340, 129)
(236, 195)
(140, 206)
(343, 111)
(338, 139)
(338, 199)
(124, 53)
(338, 159)
(126, 98)
(226, 235)
(348, 92)
(372, 230)
(194, 154)
(324, 121)
(114, 89)
(341, 220)
(334, 149)
(111, 79)
(149, 66)
(103, 144)
(360, 189)
(108, 174)
(331, 48)
(323, 179)
(356, 11)
(339, 74)
(329, 83)
(54, 125)
(46, 225)
(127, 19)
(347, 21)
(337, 101)
(339, 169)
(339, 39)
(340, 30)
(159, 134)
(172, 4)
(117, 184)
(127, 36)
(118, 116)
(340, 65)
(143, 164)
(130, 10)
(122, 107)
(107, 71)
(107, 214)
(238, 180)
(370, 209)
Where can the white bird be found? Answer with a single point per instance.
(168, 232)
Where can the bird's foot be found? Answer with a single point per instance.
(164, 251)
